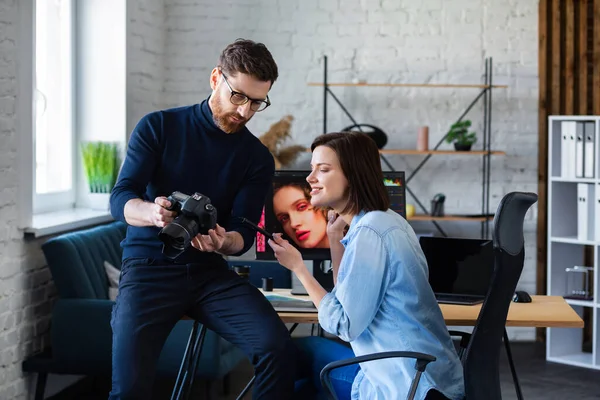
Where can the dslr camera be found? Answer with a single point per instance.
(196, 215)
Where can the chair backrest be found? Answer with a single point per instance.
(76, 260)
(481, 361)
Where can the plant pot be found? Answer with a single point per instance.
(99, 201)
(462, 147)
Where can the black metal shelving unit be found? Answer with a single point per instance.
(485, 93)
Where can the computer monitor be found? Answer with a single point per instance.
(458, 265)
(395, 185)
(288, 210)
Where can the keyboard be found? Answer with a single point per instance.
(463, 299)
(286, 304)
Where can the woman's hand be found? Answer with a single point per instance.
(336, 226)
(286, 254)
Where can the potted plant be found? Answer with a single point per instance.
(461, 137)
(101, 166)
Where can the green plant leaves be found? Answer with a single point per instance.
(101, 165)
(459, 133)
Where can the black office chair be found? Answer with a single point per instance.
(480, 350)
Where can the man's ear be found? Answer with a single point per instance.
(214, 78)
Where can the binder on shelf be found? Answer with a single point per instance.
(564, 165)
(589, 146)
(597, 212)
(579, 146)
(567, 161)
(585, 211)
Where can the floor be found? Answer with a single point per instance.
(539, 381)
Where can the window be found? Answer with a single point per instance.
(53, 106)
(71, 89)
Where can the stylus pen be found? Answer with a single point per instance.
(256, 227)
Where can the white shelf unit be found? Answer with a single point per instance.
(574, 224)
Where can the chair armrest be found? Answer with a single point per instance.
(81, 334)
(465, 337)
(420, 365)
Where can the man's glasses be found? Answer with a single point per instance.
(240, 99)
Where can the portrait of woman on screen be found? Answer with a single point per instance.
(303, 223)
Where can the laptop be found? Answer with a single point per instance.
(287, 304)
(460, 270)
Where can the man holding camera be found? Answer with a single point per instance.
(204, 148)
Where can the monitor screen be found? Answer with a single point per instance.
(288, 210)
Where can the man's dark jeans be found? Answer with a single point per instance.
(154, 296)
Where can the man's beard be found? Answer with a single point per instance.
(223, 120)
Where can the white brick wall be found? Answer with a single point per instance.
(26, 289)
(385, 41)
(145, 58)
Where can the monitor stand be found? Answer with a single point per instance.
(325, 279)
(322, 275)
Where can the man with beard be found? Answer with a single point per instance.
(202, 148)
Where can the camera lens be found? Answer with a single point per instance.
(177, 243)
(176, 237)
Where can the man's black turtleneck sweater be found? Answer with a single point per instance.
(182, 149)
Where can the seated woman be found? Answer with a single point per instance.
(382, 300)
(305, 224)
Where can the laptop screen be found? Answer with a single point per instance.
(457, 265)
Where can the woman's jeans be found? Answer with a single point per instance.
(315, 353)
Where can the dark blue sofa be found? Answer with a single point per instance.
(81, 335)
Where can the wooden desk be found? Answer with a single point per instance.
(542, 312)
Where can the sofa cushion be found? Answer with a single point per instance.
(113, 274)
(76, 260)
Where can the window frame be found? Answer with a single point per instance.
(84, 210)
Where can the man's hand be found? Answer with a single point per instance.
(160, 216)
(286, 254)
(336, 226)
(214, 241)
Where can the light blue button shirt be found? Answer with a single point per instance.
(382, 301)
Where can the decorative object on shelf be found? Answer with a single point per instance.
(423, 138)
(577, 284)
(377, 134)
(461, 137)
(410, 210)
(275, 137)
(101, 166)
(437, 205)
